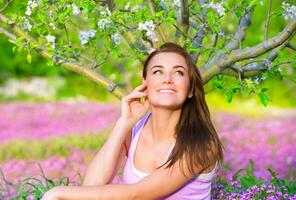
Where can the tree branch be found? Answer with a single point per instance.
(182, 21)
(76, 67)
(5, 6)
(239, 36)
(249, 69)
(129, 38)
(200, 34)
(184, 18)
(7, 33)
(111, 5)
(158, 30)
(223, 60)
(267, 20)
(290, 46)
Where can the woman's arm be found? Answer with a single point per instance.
(112, 155)
(160, 183)
(110, 158)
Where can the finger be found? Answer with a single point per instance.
(134, 95)
(141, 87)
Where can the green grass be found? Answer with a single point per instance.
(58, 146)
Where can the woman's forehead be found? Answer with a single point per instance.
(168, 59)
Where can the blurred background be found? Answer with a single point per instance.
(60, 119)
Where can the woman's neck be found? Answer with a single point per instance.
(163, 123)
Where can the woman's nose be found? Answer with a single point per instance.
(168, 78)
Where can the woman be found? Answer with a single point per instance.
(167, 144)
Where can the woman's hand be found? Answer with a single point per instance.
(132, 109)
(52, 194)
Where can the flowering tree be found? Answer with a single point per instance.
(83, 35)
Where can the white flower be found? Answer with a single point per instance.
(290, 11)
(50, 39)
(221, 34)
(27, 24)
(218, 7)
(116, 38)
(164, 5)
(170, 4)
(203, 25)
(257, 80)
(51, 24)
(148, 27)
(103, 22)
(85, 36)
(152, 36)
(136, 8)
(127, 6)
(75, 9)
(50, 14)
(105, 12)
(28, 11)
(30, 6)
(177, 3)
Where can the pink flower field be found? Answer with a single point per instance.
(268, 141)
(44, 120)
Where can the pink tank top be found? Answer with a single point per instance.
(199, 187)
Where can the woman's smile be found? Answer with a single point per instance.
(166, 91)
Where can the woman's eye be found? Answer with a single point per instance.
(156, 72)
(180, 73)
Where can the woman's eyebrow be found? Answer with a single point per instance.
(176, 66)
(179, 66)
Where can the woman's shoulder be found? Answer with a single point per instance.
(135, 130)
(140, 124)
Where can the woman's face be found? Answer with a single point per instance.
(167, 80)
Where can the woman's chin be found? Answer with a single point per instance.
(167, 105)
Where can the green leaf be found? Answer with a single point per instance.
(159, 14)
(171, 20)
(229, 95)
(88, 7)
(29, 58)
(220, 43)
(11, 41)
(236, 88)
(263, 97)
(211, 18)
(65, 13)
(216, 28)
(218, 84)
(253, 3)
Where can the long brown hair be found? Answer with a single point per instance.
(196, 138)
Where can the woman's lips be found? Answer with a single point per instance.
(166, 91)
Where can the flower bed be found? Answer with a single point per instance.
(72, 133)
